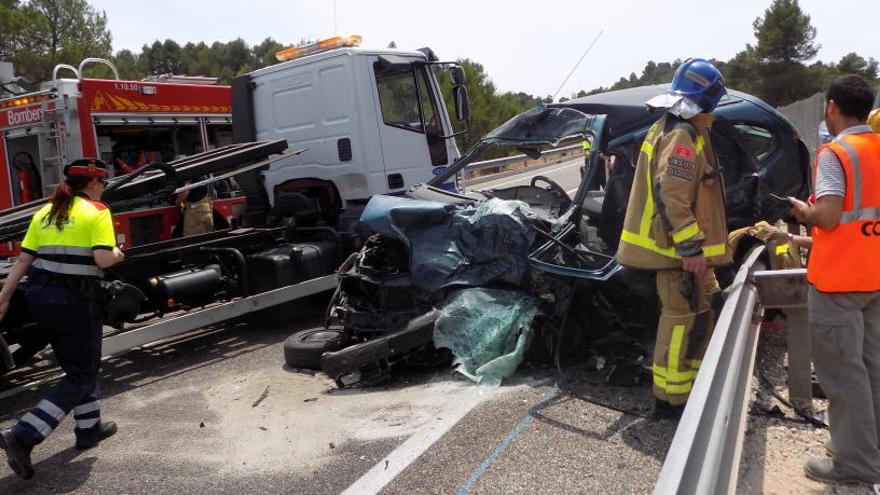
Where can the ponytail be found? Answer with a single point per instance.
(62, 200)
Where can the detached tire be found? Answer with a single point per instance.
(304, 349)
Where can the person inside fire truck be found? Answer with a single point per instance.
(67, 245)
(27, 178)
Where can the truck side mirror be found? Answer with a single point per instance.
(462, 103)
(457, 74)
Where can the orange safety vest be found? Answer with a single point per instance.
(845, 258)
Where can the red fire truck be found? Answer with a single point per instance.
(125, 123)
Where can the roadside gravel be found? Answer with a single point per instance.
(776, 448)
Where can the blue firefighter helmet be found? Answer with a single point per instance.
(700, 81)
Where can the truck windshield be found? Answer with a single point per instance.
(408, 101)
(398, 96)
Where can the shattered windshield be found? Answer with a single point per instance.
(541, 126)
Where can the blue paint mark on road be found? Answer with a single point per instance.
(488, 461)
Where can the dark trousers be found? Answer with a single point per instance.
(73, 320)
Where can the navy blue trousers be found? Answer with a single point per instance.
(73, 320)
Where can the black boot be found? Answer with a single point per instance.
(17, 454)
(665, 410)
(86, 439)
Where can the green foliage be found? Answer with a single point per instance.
(774, 68)
(10, 21)
(851, 63)
(785, 35)
(489, 109)
(653, 73)
(785, 40)
(38, 34)
(742, 71)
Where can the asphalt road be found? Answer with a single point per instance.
(218, 412)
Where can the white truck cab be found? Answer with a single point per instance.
(371, 121)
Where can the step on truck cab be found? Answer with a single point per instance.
(371, 121)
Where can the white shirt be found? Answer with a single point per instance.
(830, 179)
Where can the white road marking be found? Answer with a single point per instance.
(545, 171)
(389, 467)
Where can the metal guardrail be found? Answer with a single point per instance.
(706, 450)
(705, 453)
(507, 161)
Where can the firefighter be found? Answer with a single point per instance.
(198, 212)
(68, 243)
(676, 225)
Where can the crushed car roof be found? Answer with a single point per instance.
(626, 109)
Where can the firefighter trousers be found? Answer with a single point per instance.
(689, 305)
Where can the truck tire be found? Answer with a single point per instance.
(304, 349)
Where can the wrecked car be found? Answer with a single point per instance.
(535, 240)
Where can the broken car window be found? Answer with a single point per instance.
(758, 140)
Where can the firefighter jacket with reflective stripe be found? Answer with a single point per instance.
(676, 205)
(845, 258)
(68, 251)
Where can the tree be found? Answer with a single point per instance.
(488, 108)
(741, 72)
(163, 58)
(126, 63)
(785, 35)
(48, 32)
(852, 63)
(10, 24)
(785, 40)
(265, 52)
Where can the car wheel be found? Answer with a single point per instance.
(304, 349)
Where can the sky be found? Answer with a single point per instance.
(528, 46)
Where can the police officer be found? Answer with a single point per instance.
(68, 243)
(676, 225)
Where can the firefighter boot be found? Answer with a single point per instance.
(665, 410)
(88, 438)
(18, 455)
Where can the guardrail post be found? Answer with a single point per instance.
(797, 335)
(787, 290)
